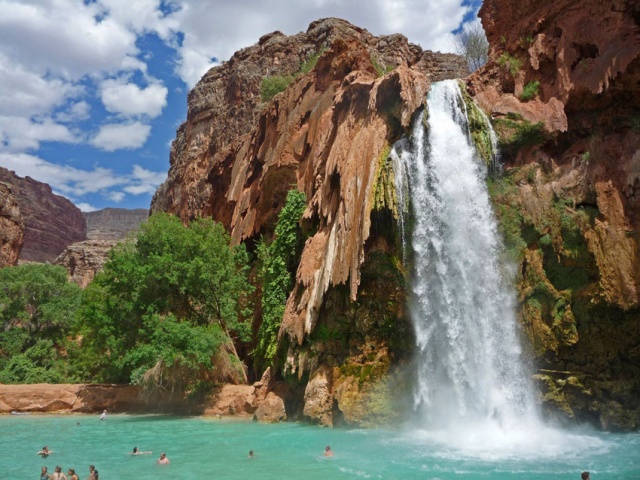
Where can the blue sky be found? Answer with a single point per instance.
(92, 91)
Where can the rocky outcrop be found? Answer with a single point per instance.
(11, 227)
(114, 223)
(105, 228)
(84, 259)
(51, 222)
(563, 90)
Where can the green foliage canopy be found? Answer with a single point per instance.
(38, 309)
(169, 300)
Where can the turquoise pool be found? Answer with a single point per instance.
(202, 448)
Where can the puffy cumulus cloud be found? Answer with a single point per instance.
(216, 33)
(74, 182)
(118, 136)
(69, 38)
(128, 99)
(19, 134)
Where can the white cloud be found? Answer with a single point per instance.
(129, 99)
(76, 112)
(116, 196)
(19, 134)
(86, 207)
(118, 136)
(76, 182)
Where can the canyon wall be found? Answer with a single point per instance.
(114, 223)
(51, 222)
(563, 90)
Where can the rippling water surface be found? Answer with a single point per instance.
(201, 448)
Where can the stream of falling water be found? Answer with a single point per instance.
(471, 374)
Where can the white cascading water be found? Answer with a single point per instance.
(471, 383)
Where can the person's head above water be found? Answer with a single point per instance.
(135, 449)
(585, 476)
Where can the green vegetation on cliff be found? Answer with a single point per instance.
(278, 262)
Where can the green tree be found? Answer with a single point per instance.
(278, 262)
(168, 306)
(472, 44)
(38, 307)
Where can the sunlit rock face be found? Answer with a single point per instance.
(51, 222)
(576, 191)
(327, 134)
(11, 227)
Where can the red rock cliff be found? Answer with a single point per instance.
(51, 222)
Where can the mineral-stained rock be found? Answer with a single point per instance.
(11, 227)
(318, 397)
(51, 222)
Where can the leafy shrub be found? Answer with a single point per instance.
(513, 63)
(274, 84)
(530, 91)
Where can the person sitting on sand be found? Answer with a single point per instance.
(58, 475)
(163, 460)
(138, 452)
(45, 452)
(328, 452)
(43, 474)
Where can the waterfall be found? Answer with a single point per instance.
(470, 367)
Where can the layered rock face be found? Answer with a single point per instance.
(11, 227)
(571, 195)
(327, 134)
(114, 223)
(51, 222)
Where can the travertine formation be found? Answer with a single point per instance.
(51, 222)
(11, 227)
